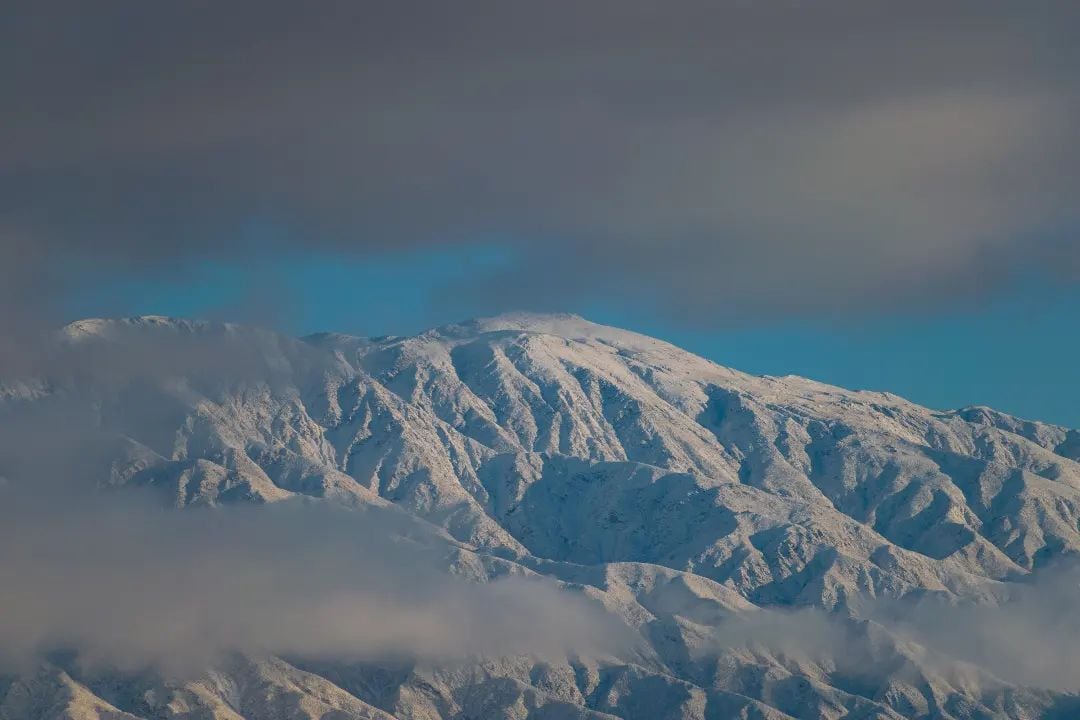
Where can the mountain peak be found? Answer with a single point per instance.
(564, 325)
(550, 323)
(102, 327)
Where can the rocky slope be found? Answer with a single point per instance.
(721, 516)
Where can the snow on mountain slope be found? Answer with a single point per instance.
(674, 492)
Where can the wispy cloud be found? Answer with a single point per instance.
(1021, 634)
(131, 586)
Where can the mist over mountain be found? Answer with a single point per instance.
(525, 516)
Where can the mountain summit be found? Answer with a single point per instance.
(721, 516)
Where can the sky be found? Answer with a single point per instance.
(878, 195)
(1015, 352)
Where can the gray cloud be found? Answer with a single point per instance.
(1022, 634)
(723, 159)
(1028, 638)
(127, 584)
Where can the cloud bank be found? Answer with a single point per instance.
(130, 586)
(1024, 637)
(723, 160)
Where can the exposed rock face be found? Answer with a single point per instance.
(676, 493)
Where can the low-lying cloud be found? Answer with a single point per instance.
(1029, 638)
(1023, 634)
(129, 585)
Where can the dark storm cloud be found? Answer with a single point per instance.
(720, 158)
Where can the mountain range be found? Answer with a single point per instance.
(768, 547)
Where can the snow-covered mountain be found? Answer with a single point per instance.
(756, 533)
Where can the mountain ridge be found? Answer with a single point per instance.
(554, 323)
(680, 495)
